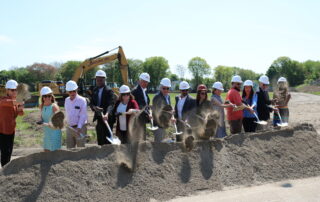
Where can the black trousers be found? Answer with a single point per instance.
(123, 136)
(249, 124)
(6, 146)
(102, 132)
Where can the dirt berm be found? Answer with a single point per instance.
(164, 171)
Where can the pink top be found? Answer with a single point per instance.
(234, 97)
(76, 111)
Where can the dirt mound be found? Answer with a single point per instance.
(164, 171)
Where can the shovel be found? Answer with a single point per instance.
(258, 120)
(81, 136)
(152, 126)
(281, 124)
(112, 139)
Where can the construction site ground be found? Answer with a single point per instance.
(277, 165)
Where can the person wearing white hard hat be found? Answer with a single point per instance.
(48, 106)
(218, 105)
(264, 101)
(102, 103)
(249, 97)
(76, 113)
(234, 116)
(281, 96)
(162, 110)
(184, 105)
(123, 110)
(141, 96)
(9, 110)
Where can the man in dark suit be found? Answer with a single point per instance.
(141, 96)
(184, 105)
(102, 103)
(162, 110)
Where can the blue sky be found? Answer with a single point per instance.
(247, 34)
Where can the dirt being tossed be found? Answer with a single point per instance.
(164, 171)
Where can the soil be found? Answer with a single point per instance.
(165, 171)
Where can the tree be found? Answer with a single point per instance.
(291, 69)
(181, 70)
(199, 68)
(41, 71)
(224, 75)
(312, 70)
(68, 69)
(157, 67)
(113, 72)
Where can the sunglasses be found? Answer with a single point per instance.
(184, 90)
(125, 94)
(73, 91)
(165, 88)
(13, 90)
(238, 84)
(46, 96)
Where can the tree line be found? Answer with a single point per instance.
(158, 67)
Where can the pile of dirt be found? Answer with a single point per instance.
(164, 170)
(309, 88)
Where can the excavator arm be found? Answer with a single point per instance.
(90, 63)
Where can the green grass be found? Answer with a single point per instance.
(316, 93)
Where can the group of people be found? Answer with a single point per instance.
(199, 117)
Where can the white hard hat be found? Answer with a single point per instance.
(264, 79)
(71, 86)
(11, 84)
(45, 91)
(165, 82)
(218, 85)
(101, 73)
(282, 79)
(145, 76)
(236, 79)
(184, 85)
(248, 83)
(124, 89)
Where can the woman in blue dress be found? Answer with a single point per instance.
(52, 137)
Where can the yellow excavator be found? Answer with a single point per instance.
(100, 59)
(58, 87)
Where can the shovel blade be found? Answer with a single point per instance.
(261, 122)
(282, 124)
(114, 140)
(153, 128)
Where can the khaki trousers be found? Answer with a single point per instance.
(74, 139)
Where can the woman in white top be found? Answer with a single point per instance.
(123, 109)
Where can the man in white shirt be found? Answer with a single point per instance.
(76, 112)
(184, 104)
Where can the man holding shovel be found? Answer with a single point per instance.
(263, 101)
(162, 110)
(9, 110)
(234, 115)
(102, 103)
(76, 112)
(141, 96)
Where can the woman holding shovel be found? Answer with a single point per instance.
(9, 111)
(123, 109)
(52, 137)
(250, 100)
(281, 96)
(219, 106)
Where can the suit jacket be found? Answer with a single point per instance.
(108, 99)
(137, 92)
(188, 106)
(262, 108)
(161, 111)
